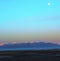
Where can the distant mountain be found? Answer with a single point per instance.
(30, 46)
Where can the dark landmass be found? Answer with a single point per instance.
(30, 55)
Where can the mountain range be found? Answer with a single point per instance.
(30, 46)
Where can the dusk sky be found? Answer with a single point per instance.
(30, 20)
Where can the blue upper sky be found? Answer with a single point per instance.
(21, 15)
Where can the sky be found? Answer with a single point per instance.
(30, 20)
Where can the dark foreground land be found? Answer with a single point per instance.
(31, 55)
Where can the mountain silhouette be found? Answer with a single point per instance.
(30, 46)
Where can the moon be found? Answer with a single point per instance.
(49, 3)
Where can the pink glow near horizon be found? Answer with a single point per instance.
(14, 42)
(2, 43)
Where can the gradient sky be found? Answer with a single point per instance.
(30, 20)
